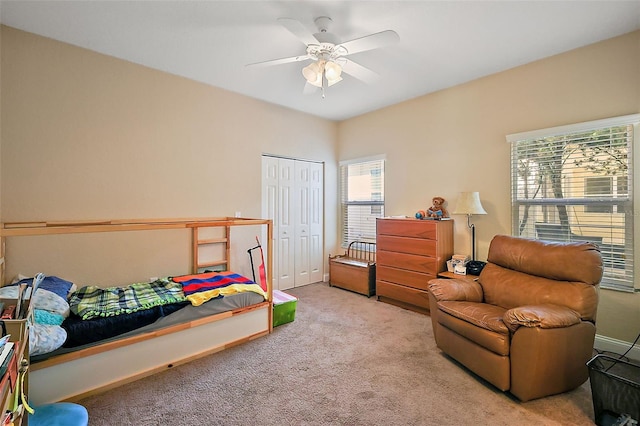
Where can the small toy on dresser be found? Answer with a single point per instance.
(435, 212)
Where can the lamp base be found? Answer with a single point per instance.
(473, 237)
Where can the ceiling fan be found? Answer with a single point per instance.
(329, 55)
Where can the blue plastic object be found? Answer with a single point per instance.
(59, 414)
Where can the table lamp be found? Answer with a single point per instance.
(469, 204)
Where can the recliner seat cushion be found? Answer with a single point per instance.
(481, 324)
(481, 315)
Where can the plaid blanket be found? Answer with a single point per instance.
(200, 288)
(92, 302)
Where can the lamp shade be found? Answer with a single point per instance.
(469, 203)
(332, 71)
(311, 72)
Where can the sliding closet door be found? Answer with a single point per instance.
(301, 218)
(316, 222)
(285, 255)
(277, 193)
(270, 190)
(292, 196)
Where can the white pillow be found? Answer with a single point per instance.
(45, 338)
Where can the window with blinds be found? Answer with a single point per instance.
(574, 183)
(362, 198)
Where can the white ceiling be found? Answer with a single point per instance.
(442, 43)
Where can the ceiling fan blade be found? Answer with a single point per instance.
(373, 41)
(279, 61)
(299, 30)
(361, 73)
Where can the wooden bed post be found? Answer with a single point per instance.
(270, 271)
(227, 251)
(194, 250)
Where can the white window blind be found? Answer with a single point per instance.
(574, 183)
(362, 198)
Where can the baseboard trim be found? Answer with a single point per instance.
(604, 343)
(325, 278)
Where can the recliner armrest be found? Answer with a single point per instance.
(456, 289)
(543, 316)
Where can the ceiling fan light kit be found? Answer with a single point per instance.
(329, 54)
(312, 72)
(315, 72)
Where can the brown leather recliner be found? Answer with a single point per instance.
(527, 325)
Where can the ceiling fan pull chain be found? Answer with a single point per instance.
(324, 81)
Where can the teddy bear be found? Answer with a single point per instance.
(437, 210)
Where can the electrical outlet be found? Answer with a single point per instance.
(238, 214)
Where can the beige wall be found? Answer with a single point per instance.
(0, 130)
(454, 140)
(88, 136)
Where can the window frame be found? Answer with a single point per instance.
(620, 265)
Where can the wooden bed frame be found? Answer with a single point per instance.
(75, 375)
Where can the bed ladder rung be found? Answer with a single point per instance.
(214, 263)
(212, 241)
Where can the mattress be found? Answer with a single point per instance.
(84, 334)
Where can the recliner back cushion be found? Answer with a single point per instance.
(509, 289)
(530, 272)
(579, 261)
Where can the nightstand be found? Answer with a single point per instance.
(447, 274)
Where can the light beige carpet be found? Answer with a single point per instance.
(345, 360)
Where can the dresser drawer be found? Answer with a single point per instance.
(407, 245)
(408, 228)
(404, 277)
(407, 295)
(412, 262)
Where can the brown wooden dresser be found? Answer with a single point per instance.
(410, 252)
